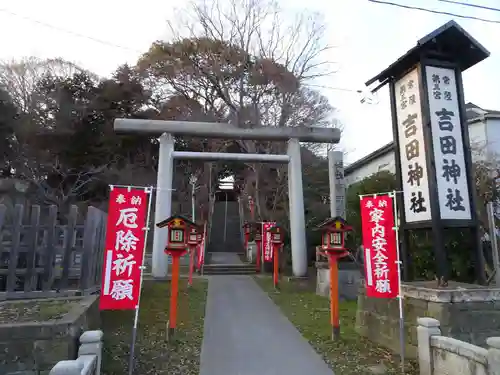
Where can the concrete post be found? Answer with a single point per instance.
(163, 207)
(91, 344)
(493, 355)
(337, 186)
(332, 182)
(427, 327)
(297, 217)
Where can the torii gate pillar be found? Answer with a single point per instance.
(296, 207)
(163, 206)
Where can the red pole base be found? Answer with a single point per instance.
(275, 266)
(191, 265)
(174, 291)
(258, 254)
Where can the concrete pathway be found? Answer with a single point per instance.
(246, 334)
(225, 258)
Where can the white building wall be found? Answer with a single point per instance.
(477, 133)
(383, 163)
(492, 129)
(480, 133)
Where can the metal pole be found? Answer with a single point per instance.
(192, 181)
(400, 292)
(193, 205)
(142, 268)
(140, 187)
(225, 219)
(494, 242)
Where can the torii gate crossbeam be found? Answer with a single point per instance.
(226, 131)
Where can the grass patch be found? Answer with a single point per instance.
(153, 354)
(353, 354)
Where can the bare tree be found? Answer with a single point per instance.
(246, 63)
(62, 187)
(20, 77)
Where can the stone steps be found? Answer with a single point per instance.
(228, 269)
(225, 216)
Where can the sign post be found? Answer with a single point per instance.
(433, 159)
(334, 231)
(176, 246)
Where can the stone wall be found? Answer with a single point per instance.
(349, 280)
(467, 312)
(441, 355)
(39, 344)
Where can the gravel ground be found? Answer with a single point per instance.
(153, 354)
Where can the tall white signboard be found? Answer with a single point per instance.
(447, 144)
(412, 150)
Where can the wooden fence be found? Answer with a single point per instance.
(40, 257)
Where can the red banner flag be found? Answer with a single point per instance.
(380, 249)
(124, 252)
(266, 243)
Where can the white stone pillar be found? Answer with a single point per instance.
(297, 217)
(493, 355)
(427, 327)
(337, 186)
(163, 207)
(332, 182)
(91, 344)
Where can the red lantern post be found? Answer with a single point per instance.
(193, 242)
(177, 245)
(258, 243)
(333, 244)
(251, 206)
(199, 236)
(246, 231)
(277, 243)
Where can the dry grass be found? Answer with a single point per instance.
(34, 311)
(310, 313)
(153, 354)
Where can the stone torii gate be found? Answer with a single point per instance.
(166, 130)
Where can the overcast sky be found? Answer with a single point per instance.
(368, 37)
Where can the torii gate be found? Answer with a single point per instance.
(166, 130)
